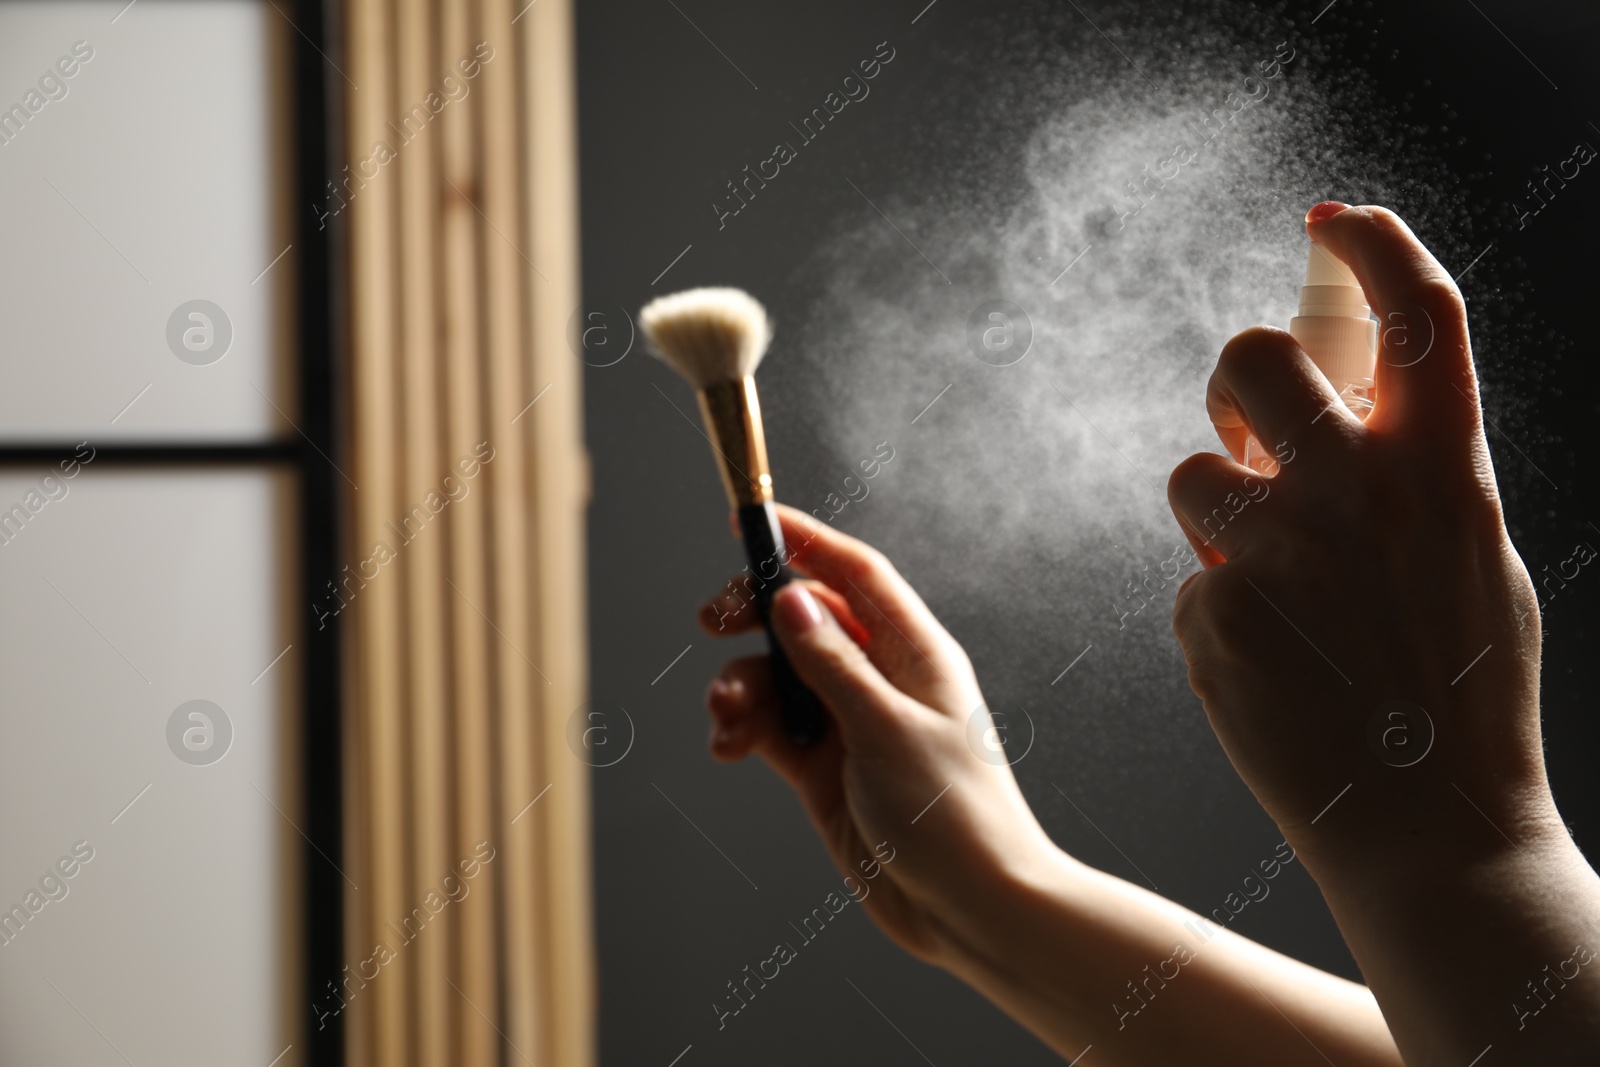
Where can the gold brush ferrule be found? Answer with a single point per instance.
(732, 414)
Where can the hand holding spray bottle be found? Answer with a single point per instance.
(1336, 328)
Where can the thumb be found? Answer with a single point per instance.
(830, 662)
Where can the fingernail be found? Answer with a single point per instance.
(719, 691)
(1325, 210)
(798, 609)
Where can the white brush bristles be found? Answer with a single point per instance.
(708, 335)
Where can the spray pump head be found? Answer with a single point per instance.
(1335, 325)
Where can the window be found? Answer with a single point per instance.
(170, 710)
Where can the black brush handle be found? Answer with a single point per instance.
(805, 720)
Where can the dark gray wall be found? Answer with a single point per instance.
(681, 843)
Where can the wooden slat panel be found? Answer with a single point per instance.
(471, 657)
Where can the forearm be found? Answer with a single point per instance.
(1085, 959)
(1496, 951)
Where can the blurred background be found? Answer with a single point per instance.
(350, 541)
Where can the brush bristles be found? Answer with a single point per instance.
(708, 335)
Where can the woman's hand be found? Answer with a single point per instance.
(895, 788)
(1366, 602)
(1365, 641)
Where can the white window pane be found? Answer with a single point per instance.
(128, 594)
(157, 174)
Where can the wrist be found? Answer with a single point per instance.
(983, 923)
(1448, 929)
(1388, 836)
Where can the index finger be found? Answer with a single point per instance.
(905, 642)
(1425, 379)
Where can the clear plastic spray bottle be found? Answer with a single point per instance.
(1336, 328)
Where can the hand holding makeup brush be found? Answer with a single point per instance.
(901, 691)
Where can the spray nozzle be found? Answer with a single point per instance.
(1335, 324)
(1325, 268)
(1331, 287)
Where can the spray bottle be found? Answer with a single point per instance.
(1336, 328)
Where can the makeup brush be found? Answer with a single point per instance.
(715, 339)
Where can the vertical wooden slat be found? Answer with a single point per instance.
(375, 613)
(560, 492)
(414, 134)
(358, 857)
(515, 675)
(476, 964)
